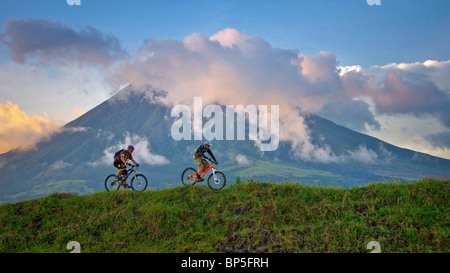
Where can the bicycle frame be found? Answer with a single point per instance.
(133, 171)
(207, 168)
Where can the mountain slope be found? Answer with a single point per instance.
(249, 217)
(79, 156)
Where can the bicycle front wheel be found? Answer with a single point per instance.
(111, 183)
(185, 177)
(217, 182)
(139, 182)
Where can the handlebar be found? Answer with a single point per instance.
(211, 161)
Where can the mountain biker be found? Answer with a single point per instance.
(199, 158)
(121, 160)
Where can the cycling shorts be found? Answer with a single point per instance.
(119, 165)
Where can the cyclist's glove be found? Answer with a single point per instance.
(137, 165)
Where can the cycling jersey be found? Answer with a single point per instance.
(201, 150)
(127, 156)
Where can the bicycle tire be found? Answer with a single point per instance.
(187, 181)
(144, 181)
(110, 183)
(217, 186)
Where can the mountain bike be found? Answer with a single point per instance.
(216, 180)
(138, 181)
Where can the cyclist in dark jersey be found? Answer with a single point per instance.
(199, 156)
(121, 160)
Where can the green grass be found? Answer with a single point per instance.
(245, 217)
(260, 167)
(80, 186)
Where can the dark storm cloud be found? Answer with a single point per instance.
(58, 43)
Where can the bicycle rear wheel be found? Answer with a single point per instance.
(218, 182)
(139, 182)
(111, 183)
(185, 177)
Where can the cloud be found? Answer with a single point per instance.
(232, 68)
(141, 154)
(439, 140)
(78, 110)
(364, 155)
(242, 160)
(58, 43)
(60, 165)
(435, 71)
(418, 89)
(353, 114)
(75, 129)
(19, 130)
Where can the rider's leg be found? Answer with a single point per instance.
(119, 172)
(120, 168)
(125, 173)
(203, 165)
(198, 161)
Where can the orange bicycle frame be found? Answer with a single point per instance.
(207, 168)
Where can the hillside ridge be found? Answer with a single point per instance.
(245, 217)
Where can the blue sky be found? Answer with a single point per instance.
(383, 70)
(395, 31)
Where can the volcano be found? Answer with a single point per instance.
(78, 157)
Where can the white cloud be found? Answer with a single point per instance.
(242, 160)
(141, 154)
(364, 155)
(60, 165)
(346, 69)
(79, 129)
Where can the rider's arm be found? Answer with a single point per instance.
(211, 154)
(123, 159)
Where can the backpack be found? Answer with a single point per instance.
(116, 155)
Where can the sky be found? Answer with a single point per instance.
(382, 70)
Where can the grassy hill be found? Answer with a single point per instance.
(245, 217)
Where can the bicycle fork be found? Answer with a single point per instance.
(216, 180)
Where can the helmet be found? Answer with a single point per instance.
(208, 143)
(130, 147)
